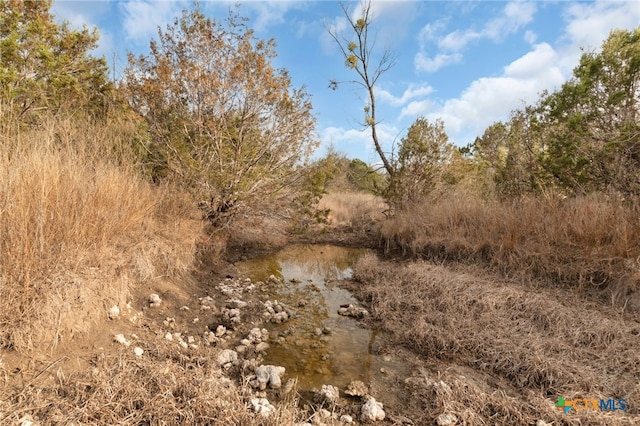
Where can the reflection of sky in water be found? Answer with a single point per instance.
(347, 353)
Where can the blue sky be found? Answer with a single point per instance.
(467, 63)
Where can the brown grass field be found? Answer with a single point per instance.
(509, 304)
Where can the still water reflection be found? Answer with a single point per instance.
(317, 345)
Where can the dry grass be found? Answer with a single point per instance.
(77, 232)
(353, 209)
(506, 351)
(590, 242)
(164, 387)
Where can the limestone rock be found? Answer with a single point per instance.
(262, 406)
(114, 312)
(354, 311)
(372, 410)
(121, 339)
(446, 419)
(154, 300)
(269, 375)
(345, 418)
(262, 346)
(227, 357)
(329, 393)
(357, 388)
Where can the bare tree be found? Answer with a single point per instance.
(357, 50)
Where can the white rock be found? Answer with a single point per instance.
(262, 346)
(357, 388)
(262, 406)
(210, 338)
(138, 351)
(227, 356)
(269, 375)
(345, 418)
(168, 336)
(322, 414)
(446, 419)
(255, 335)
(280, 317)
(330, 393)
(236, 303)
(121, 339)
(114, 312)
(154, 300)
(26, 420)
(221, 330)
(372, 410)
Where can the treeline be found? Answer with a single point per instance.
(580, 139)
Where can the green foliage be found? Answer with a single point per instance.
(423, 156)
(316, 179)
(509, 154)
(225, 124)
(593, 122)
(47, 67)
(365, 178)
(583, 138)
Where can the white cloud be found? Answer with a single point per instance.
(411, 92)
(336, 26)
(490, 99)
(142, 18)
(544, 67)
(345, 140)
(530, 37)
(590, 23)
(269, 13)
(514, 16)
(417, 108)
(533, 63)
(424, 63)
(457, 40)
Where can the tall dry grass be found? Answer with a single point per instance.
(78, 229)
(591, 242)
(353, 209)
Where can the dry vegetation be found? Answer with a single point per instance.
(353, 209)
(589, 242)
(165, 387)
(504, 350)
(79, 231)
